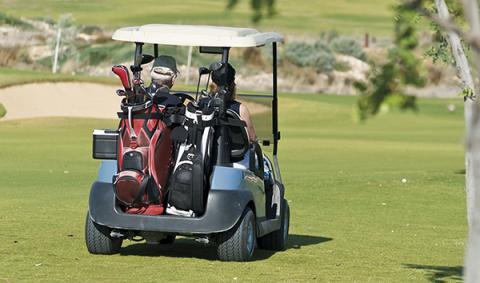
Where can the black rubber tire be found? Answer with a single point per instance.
(277, 240)
(98, 240)
(168, 240)
(234, 244)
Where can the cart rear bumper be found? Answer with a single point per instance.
(224, 209)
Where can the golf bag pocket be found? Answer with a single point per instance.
(135, 189)
(186, 191)
(135, 159)
(130, 187)
(181, 191)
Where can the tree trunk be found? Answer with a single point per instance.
(465, 75)
(472, 128)
(472, 258)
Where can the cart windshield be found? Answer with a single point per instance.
(260, 107)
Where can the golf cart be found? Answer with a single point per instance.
(236, 203)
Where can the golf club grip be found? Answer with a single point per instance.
(122, 73)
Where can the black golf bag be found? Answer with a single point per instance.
(188, 183)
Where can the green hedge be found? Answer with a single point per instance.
(348, 46)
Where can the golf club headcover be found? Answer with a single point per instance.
(124, 75)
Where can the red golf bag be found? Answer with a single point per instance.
(144, 158)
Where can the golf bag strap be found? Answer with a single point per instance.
(152, 192)
(197, 183)
(214, 122)
(233, 122)
(143, 187)
(172, 119)
(135, 108)
(149, 132)
(145, 116)
(201, 124)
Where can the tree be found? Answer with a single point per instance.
(259, 7)
(465, 74)
(467, 69)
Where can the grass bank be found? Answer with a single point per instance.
(301, 16)
(10, 77)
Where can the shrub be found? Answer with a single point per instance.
(323, 58)
(46, 19)
(97, 56)
(348, 46)
(299, 53)
(329, 35)
(90, 29)
(111, 53)
(8, 56)
(342, 66)
(318, 55)
(9, 20)
(253, 56)
(3, 111)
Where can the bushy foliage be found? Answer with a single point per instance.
(3, 111)
(329, 35)
(402, 69)
(348, 46)
(111, 53)
(90, 29)
(9, 20)
(299, 53)
(318, 55)
(260, 8)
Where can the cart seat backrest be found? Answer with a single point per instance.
(238, 139)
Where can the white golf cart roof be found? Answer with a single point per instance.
(193, 35)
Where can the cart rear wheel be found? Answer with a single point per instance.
(277, 240)
(98, 240)
(238, 244)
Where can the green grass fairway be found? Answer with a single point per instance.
(353, 220)
(301, 16)
(12, 77)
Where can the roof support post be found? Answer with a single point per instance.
(223, 141)
(226, 51)
(155, 50)
(276, 133)
(138, 54)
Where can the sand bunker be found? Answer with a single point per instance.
(86, 100)
(60, 100)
